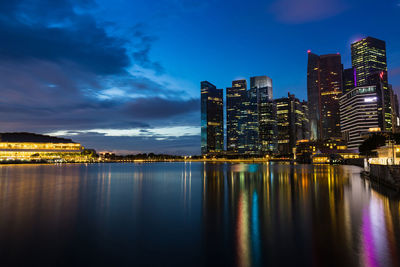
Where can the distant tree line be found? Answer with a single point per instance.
(143, 156)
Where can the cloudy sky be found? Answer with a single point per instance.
(124, 75)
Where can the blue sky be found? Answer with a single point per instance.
(124, 76)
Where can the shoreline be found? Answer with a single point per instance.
(176, 160)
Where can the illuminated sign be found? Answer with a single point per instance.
(374, 129)
(370, 99)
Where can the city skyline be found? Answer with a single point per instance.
(125, 77)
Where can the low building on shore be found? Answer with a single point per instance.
(387, 155)
(333, 150)
(30, 147)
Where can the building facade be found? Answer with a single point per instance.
(324, 88)
(292, 123)
(360, 114)
(251, 133)
(348, 80)
(379, 80)
(212, 119)
(266, 109)
(29, 146)
(236, 116)
(395, 110)
(368, 56)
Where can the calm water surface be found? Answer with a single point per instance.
(195, 214)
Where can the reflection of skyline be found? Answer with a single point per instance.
(218, 214)
(310, 211)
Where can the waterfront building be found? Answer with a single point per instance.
(368, 56)
(348, 80)
(387, 155)
(212, 119)
(324, 87)
(360, 113)
(332, 150)
(292, 123)
(266, 109)
(29, 146)
(236, 115)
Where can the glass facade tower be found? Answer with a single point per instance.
(368, 56)
(266, 108)
(324, 88)
(292, 121)
(212, 119)
(236, 115)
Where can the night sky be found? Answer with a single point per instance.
(125, 76)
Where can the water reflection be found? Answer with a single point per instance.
(282, 214)
(196, 214)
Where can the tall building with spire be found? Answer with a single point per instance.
(324, 88)
(212, 119)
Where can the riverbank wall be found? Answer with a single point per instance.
(385, 174)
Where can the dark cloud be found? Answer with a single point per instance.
(141, 55)
(58, 70)
(42, 96)
(156, 108)
(29, 32)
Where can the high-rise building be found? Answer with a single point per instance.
(360, 114)
(379, 79)
(324, 87)
(394, 102)
(236, 115)
(348, 80)
(305, 122)
(313, 94)
(266, 109)
(368, 56)
(251, 139)
(212, 119)
(292, 123)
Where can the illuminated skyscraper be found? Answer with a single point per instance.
(305, 122)
(313, 93)
(368, 56)
(236, 116)
(266, 109)
(379, 79)
(292, 121)
(324, 87)
(212, 119)
(252, 130)
(242, 119)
